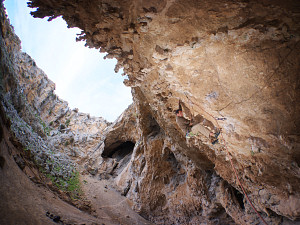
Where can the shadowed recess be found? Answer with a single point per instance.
(120, 151)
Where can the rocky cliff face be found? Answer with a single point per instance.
(66, 129)
(52, 134)
(235, 64)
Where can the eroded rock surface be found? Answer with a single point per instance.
(29, 95)
(234, 64)
(236, 60)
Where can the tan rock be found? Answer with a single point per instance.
(236, 61)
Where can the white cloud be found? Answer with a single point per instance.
(81, 75)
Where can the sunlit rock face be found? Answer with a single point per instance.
(234, 63)
(74, 132)
(43, 124)
(33, 96)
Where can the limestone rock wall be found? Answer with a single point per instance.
(231, 60)
(70, 130)
(28, 131)
(42, 124)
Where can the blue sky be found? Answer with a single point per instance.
(82, 76)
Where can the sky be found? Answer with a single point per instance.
(82, 77)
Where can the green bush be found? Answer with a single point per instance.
(47, 130)
(68, 122)
(72, 185)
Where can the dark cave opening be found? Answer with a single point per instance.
(239, 197)
(120, 151)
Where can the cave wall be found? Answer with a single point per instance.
(236, 60)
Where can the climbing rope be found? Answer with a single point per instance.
(232, 165)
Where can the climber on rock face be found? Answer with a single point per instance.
(197, 126)
(183, 123)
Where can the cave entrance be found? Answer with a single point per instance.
(119, 151)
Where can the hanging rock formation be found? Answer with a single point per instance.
(235, 64)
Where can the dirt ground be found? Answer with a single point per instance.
(108, 204)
